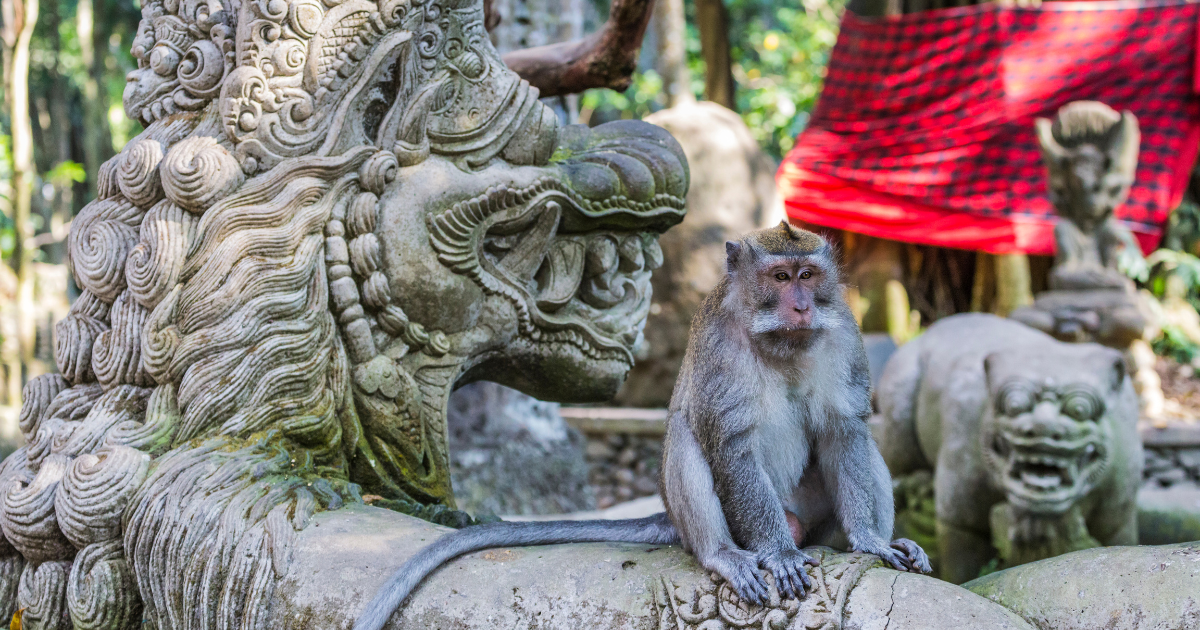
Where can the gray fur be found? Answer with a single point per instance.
(762, 423)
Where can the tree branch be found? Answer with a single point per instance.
(604, 59)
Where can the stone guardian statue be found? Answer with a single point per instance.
(1091, 154)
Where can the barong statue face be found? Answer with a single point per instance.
(1048, 427)
(1091, 155)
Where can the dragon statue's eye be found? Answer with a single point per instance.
(1082, 405)
(1015, 399)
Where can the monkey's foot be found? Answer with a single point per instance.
(740, 569)
(915, 558)
(787, 565)
(891, 554)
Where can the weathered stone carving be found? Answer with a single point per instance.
(1033, 442)
(1091, 155)
(714, 605)
(340, 565)
(339, 210)
(1121, 587)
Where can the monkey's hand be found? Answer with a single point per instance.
(787, 565)
(740, 569)
(914, 557)
(884, 550)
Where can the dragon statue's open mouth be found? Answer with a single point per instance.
(574, 251)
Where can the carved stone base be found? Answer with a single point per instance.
(340, 562)
(1111, 317)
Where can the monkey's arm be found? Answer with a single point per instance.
(861, 489)
(691, 499)
(752, 506)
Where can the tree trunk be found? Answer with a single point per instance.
(1012, 283)
(712, 18)
(61, 210)
(20, 16)
(97, 139)
(670, 32)
(604, 59)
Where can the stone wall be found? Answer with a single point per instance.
(623, 467)
(1167, 467)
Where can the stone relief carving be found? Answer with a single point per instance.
(713, 605)
(338, 210)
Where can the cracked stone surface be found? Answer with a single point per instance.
(1108, 587)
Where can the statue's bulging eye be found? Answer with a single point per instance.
(164, 61)
(1082, 405)
(1015, 399)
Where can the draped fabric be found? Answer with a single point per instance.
(924, 130)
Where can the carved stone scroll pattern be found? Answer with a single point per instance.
(713, 605)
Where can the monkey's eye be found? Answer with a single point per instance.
(781, 276)
(1082, 405)
(805, 275)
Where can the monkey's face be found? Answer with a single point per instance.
(791, 295)
(1047, 434)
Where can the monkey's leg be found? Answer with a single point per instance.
(857, 479)
(755, 514)
(696, 512)
(963, 552)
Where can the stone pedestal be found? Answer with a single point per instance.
(340, 562)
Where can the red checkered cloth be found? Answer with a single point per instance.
(924, 130)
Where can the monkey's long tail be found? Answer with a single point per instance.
(655, 530)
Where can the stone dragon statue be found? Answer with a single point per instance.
(338, 210)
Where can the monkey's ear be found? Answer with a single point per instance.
(733, 251)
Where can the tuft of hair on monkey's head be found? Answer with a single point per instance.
(784, 282)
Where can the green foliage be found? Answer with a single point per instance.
(1174, 275)
(642, 98)
(66, 173)
(1183, 229)
(8, 229)
(779, 52)
(1173, 343)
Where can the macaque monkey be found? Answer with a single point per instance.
(767, 438)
